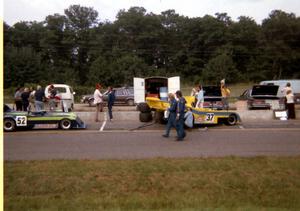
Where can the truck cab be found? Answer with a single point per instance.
(66, 95)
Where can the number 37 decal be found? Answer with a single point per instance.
(21, 120)
(209, 117)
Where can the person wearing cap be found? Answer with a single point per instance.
(225, 94)
(98, 101)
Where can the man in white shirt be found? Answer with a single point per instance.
(287, 88)
(98, 101)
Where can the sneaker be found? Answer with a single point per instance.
(166, 136)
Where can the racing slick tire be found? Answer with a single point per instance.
(145, 117)
(144, 108)
(159, 117)
(231, 120)
(65, 124)
(9, 125)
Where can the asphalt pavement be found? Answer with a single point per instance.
(135, 140)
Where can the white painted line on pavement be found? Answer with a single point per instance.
(104, 123)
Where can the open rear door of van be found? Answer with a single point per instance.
(173, 84)
(139, 90)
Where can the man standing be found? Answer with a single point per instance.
(172, 115)
(180, 116)
(52, 100)
(39, 97)
(98, 101)
(225, 94)
(25, 99)
(110, 101)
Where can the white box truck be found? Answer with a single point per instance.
(155, 86)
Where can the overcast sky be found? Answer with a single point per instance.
(36, 10)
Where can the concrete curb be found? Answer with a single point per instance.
(252, 115)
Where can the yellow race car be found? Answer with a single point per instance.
(200, 115)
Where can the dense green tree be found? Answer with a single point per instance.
(23, 67)
(219, 67)
(281, 43)
(76, 48)
(79, 21)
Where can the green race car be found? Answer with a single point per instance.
(27, 120)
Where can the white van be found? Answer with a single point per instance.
(295, 85)
(154, 87)
(66, 95)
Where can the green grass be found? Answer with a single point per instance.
(259, 183)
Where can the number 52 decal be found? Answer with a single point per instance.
(21, 121)
(210, 117)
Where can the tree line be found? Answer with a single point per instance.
(79, 49)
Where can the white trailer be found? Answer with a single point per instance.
(154, 87)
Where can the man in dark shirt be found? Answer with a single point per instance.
(110, 101)
(172, 115)
(25, 99)
(39, 97)
(180, 116)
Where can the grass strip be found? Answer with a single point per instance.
(231, 183)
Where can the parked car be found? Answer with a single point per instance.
(262, 97)
(124, 95)
(295, 85)
(13, 120)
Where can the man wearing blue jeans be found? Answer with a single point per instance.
(172, 115)
(180, 116)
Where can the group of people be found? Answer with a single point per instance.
(98, 101)
(198, 93)
(289, 101)
(176, 115)
(27, 99)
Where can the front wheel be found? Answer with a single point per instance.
(9, 125)
(91, 102)
(65, 124)
(130, 102)
(232, 120)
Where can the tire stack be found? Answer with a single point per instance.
(145, 112)
(159, 117)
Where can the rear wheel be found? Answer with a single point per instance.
(65, 124)
(145, 117)
(130, 102)
(9, 125)
(91, 101)
(159, 117)
(144, 108)
(231, 120)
